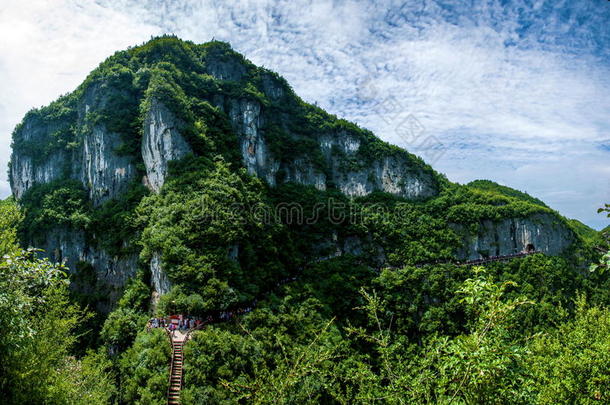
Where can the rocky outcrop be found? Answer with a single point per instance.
(26, 172)
(393, 174)
(272, 88)
(542, 232)
(226, 69)
(87, 137)
(71, 247)
(105, 174)
(162, 143)
(91, 157)
(245, 115)
(302, 171)
(158, 278)
(390, 174)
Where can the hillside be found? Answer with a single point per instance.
(100, 169)
(179, 178)
(488, 185)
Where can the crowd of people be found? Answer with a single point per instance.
(184, 323)
(175, 322)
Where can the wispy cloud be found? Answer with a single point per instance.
(517, 91)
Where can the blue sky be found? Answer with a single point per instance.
(513, 91)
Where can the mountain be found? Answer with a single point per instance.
(122, 173)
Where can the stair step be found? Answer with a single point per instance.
(175, 383)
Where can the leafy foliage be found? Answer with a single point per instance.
(344, 331)
(604, 262)
(194, 227)
(58, 203)
(38, 323)
(144, 369)
(488, 185)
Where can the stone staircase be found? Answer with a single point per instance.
(175, 377)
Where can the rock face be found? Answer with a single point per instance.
(158, 277)
(245, 115)
(105, 173)
(92, 157)
(31, 165)
(392, 174)
(161, 143)
(541, 232)
(111, 272)
(118, 129)
(25, 173)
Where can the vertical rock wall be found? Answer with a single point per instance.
(162, 143)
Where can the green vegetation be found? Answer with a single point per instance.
(38, 323)
(61, 202)
(348, 329)
(58, 130)
(145, 369)
(488, 185)
(193, 227)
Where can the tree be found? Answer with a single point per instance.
(604, 261)
(37, 321)
(571, 364)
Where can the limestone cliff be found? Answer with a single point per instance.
(161, 143)
(138, 112)
(542, 232)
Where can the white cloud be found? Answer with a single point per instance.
(47, 48)
(518, 93)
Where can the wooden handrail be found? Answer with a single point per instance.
(171, 363)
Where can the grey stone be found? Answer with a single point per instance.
(513, 235)
(161, 143)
